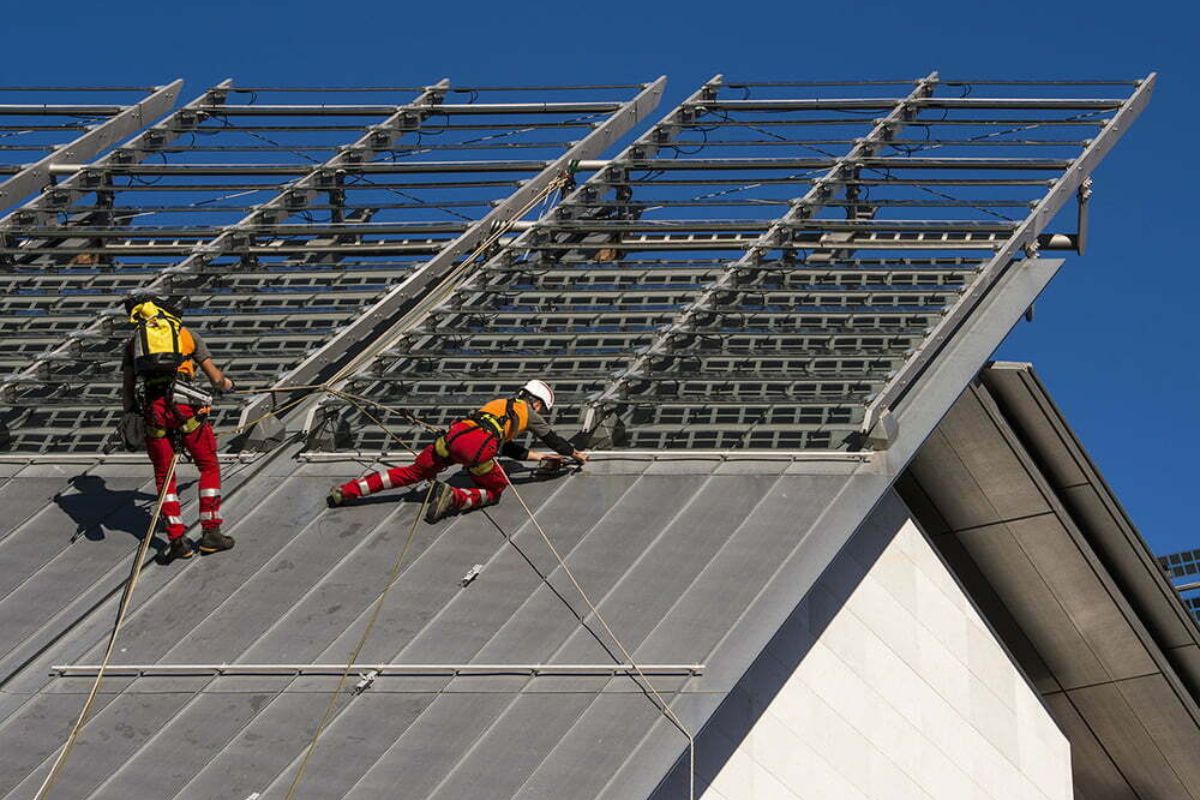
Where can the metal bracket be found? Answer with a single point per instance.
(884, 432)
(1083, 198)
(471, 575)
(365, 681)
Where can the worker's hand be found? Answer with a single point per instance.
(534, 455)
(226, 385)
(580, 455)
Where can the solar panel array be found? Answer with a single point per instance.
(1184, 569)
(274, 216)
(757, 268)
(768, 266)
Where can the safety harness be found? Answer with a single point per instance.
(492, 424)
(162, 353)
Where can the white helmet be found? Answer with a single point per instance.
(540, 390)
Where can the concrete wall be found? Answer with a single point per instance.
(885, 683)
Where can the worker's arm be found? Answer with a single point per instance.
(215, 375)
(520, 453)
(540, 428)
(208, 366)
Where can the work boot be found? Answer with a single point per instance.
(335, 498)
(213, 541)
(442, 503)
(179, 547)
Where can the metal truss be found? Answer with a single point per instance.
(278, 217)
(771, 266)
(67, 132)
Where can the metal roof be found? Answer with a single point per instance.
(691, 557)
(673, 554)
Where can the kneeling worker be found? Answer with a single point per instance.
(164, 355)
(474, 442)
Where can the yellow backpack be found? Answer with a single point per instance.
(162, 347)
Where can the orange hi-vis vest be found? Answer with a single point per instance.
(187, 345)
(507, 417)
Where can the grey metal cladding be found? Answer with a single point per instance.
(217, 610)
(1067, 583)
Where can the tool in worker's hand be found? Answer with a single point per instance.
(552, 465)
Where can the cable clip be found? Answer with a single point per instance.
(471, 575)
(365, 681)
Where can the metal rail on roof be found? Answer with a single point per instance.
(200, 253)
(778, 231)
(43, 210)
(680, 271)
(381, 670)
(1024, 239)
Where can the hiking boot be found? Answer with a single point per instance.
(180, 547)
(442, 504)
(335, 498)
(213, 541)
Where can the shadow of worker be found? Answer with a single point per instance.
(95, 508)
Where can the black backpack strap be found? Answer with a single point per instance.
(510, 416)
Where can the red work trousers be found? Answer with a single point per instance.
(163, 416)
(465, 444)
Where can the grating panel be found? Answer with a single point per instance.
(275, 217)
(768, 266)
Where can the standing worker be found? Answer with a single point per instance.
(164, 354)
(474, 442)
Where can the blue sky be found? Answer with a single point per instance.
(1113, 337)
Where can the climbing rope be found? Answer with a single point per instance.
(126, 597)
(362, 640)
(656, 698)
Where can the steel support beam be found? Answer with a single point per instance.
(38, 175)
(88, 180)
(779, 233)
(1023, 240)
(378, 326)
